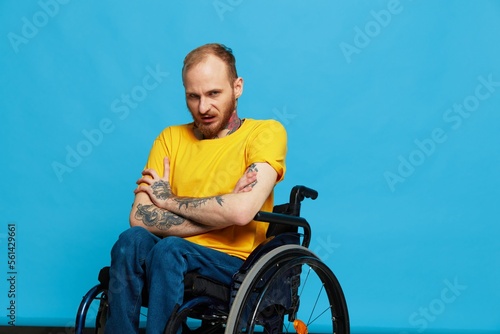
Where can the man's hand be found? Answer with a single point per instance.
(247, 181)
(158, 189)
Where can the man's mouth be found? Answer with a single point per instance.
(208, 119)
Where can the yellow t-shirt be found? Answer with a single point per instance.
(202, 168)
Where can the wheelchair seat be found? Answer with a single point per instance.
(264, 291)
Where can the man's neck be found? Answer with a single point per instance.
(232, 125)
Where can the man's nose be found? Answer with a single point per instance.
(204, 106)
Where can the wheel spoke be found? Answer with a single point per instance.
(315, 303)
(326, 309)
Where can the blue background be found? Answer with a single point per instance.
(389, 113)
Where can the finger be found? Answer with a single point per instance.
(251, 179)
(150, 172)
(141, 189)
(145, 179)
(166, 169)
(252, 175)
(242, 190)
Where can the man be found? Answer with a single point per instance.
(195, 203)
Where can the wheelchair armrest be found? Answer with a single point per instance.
(279, 218)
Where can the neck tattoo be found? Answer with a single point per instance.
(233, 126)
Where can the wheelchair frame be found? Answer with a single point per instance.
(243, 306)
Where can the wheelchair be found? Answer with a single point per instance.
(282, 287)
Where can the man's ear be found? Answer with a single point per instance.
(238, 87)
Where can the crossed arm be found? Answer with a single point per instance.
(163, 213)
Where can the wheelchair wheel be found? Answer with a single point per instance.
(93, 305)
(289, 290)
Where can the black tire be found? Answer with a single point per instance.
(267, 278)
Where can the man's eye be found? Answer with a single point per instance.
(214, 93)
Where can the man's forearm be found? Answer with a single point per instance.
(216, 211)
(211, 211)
(164, 223)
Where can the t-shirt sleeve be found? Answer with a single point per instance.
(268, 143)
(158, 152)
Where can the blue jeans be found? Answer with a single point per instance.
(140, 259)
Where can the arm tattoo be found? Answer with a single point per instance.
(253, 168)
(161, 189)
(196, 202)
(150, 215)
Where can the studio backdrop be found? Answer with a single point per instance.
(392, 113)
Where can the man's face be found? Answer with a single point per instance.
(210, 96)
